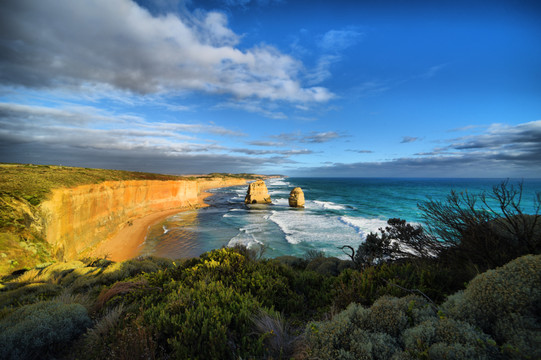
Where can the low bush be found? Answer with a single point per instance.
(294, 262)
(37, 330)
(396, 328)
(206, 321)
(329, 266)
(505, 303)
(448, 339)
(28, 294)
(367, 285)
(366, 333)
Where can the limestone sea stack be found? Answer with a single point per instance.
(257, 193)
(296, 198)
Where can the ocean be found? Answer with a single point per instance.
(338, 211)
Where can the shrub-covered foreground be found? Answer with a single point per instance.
(228, 305)
(495, 317)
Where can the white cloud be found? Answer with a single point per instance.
(117, 43)
(87, 127)
(332, 44)
(339, 40)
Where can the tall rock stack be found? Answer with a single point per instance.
(257, 193)
(296, 198)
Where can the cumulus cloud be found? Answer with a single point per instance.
(119, 44)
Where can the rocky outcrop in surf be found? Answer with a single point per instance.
(296, 197)
(257, 193)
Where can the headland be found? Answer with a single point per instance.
(52, 213)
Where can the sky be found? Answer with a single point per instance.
(299, 88)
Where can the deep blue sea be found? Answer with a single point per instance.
(339, 211)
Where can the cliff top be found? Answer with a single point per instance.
(34, 182)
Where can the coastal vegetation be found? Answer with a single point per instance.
(403, 294)
(228, 304)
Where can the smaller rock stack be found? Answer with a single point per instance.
(296, 198)
(257, 193)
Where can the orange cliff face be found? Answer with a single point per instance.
(78, 219)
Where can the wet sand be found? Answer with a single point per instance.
(125, 244)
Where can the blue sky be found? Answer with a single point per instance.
(301, 88)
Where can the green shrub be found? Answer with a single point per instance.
(329, 266)
(296, 293)
(93, 278)
(207, 320)
(41, 328)
(397, 328)
(368, 285)
(345, 337)
(361, 333)
(294, 262)
(448, 339)
(505, 303)
(28, 294)
(134, 341)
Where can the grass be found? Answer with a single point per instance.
(34, 182)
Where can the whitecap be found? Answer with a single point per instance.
(249, 242)
(278, 182)
(363, 225)
(328, 205)
(317, 229)
(232, 213)
(246, 236)
(278, 192)
(280, 202)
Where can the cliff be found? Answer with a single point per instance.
(77, 219)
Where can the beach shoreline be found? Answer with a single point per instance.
(126, 243)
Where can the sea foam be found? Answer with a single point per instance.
(328, 205)
(314, 228)
(363, 225)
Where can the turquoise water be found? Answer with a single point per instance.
(337, 212)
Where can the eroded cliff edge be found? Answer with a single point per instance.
(77, 219)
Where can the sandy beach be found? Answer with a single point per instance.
(125, 244)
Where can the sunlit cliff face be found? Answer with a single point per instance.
(79, 218)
